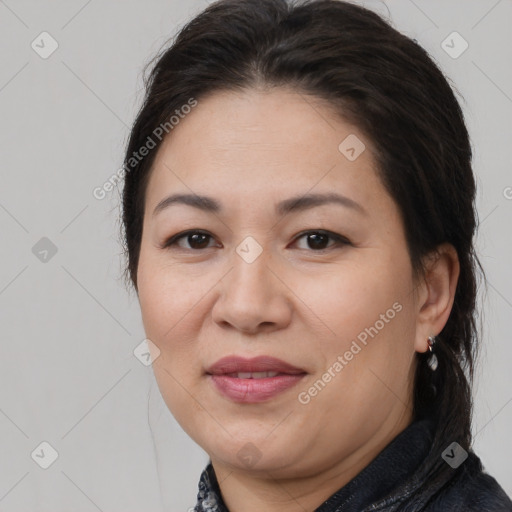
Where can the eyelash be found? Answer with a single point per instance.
(339, 240)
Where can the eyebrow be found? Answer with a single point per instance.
(293, 204)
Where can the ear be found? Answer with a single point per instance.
(436, 294)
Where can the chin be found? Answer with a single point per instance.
(256, 455)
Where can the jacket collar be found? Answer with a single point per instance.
(392, 469)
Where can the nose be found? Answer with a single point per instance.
(253, 297)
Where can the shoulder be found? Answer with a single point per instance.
(471, 490)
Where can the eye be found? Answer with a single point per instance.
(318, 240)
(197, 240)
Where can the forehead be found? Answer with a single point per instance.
(256, 144)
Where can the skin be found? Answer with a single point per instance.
(250, 150)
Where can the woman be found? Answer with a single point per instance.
(299, 217)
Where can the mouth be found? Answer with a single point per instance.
(252, 375)
(253, 380)
(255, 367)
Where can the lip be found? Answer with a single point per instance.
(253, 390)
(235, 364)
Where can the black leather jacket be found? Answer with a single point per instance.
(391, 482)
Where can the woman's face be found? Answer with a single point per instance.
(267, 277)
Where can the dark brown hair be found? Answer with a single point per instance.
(379, 80)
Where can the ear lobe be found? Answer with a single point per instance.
(440, 283)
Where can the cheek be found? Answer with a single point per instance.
(169, 307)
(167, 299)
(181, 396)
(169, 322)
(352, 297)
(368, 319)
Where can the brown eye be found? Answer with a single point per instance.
(319, 240)
(196, 240)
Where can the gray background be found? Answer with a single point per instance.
(68, 327)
